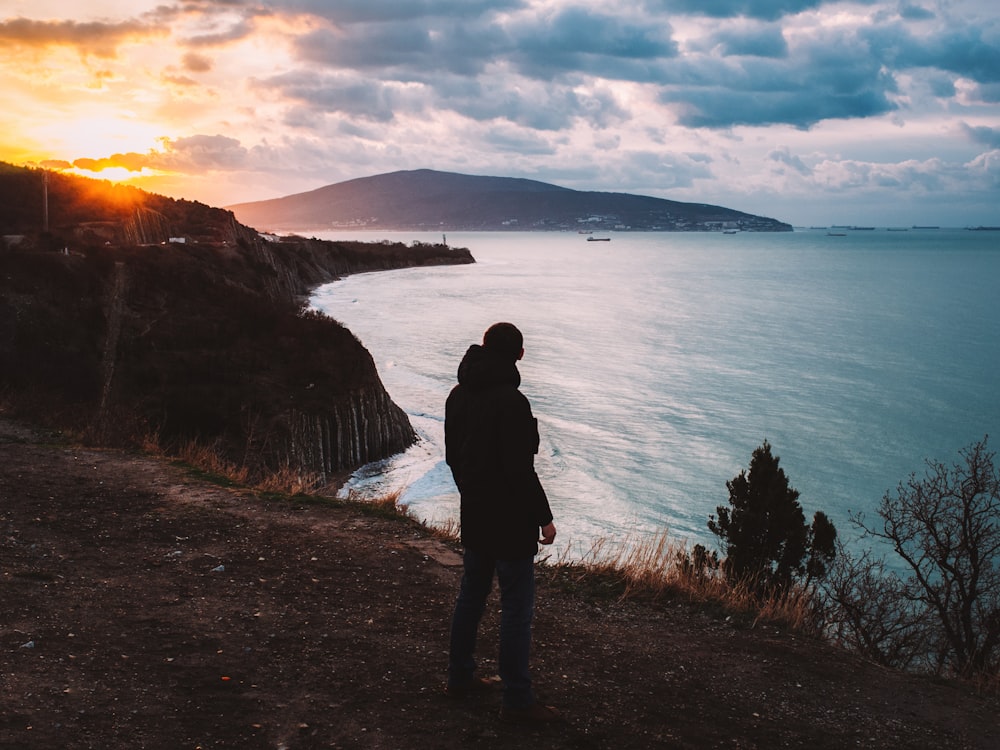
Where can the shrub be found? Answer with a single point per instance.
(945, 527)
(764, 535)
(866, 609)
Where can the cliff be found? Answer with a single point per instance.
(135, 316)
(428, 200)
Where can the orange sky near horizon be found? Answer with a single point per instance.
(810, 111)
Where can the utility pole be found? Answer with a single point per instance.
(45, 200)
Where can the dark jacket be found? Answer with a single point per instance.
(491, 439)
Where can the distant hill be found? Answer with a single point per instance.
(427, 200)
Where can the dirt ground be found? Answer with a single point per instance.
(143, 608)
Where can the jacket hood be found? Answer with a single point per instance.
(481, 368)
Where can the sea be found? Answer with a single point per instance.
(656, 363)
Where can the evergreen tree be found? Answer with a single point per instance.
(764, 534)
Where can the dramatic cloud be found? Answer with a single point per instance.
(971, 51)
(360, 11)
(768, 10)
(131, 162)
(739, 102)
(101, 39)
(582, 41)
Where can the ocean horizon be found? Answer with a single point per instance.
(657, 362)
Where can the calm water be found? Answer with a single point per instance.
(657, 363)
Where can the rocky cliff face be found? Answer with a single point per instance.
(141, 226)
(362, 427)
(205, 340)
(342, 418)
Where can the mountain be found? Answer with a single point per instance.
(427, 200)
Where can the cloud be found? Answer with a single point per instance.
(132, 162)
(763, 41)
(658, 169)
(346, 94)
(406, 50)
(915, 13)
(766, 10)
(793, 93)
(987, 168)
(988, 93)
(577, 40)
(195, 154)
(784, 156)
(239, 30)
(983, 135)
(517, 141)
(539, 105)
(197, 63)
(380, 46)
(971, 50)
(380, 60)
(203, 152)
(696, 98)
(97, 38)
(178, 80)
(363, 11)
(911, 177)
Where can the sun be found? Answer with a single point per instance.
(116, 148)
(112, 174)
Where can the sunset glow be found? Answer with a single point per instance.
(810, 111)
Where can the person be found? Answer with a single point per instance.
(491, 439)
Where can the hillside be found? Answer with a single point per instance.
(138, 317)
(428, 200)
(144, 608)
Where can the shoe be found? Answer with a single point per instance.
(536, 713)
(478, 686)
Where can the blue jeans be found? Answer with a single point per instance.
(516, 579)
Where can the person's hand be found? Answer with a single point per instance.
(548, 534)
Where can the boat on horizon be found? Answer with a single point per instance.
(598, 239)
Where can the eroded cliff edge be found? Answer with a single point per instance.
(170, 320)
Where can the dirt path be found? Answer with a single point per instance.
(142, 609)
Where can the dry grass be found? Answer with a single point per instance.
(289, 481)
(387, 503)
(650, 566)
(449, 530)
(206, 459)
(659, 565)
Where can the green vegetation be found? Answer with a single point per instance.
(764, 534)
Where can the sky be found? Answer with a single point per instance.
(874, 112)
